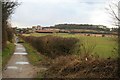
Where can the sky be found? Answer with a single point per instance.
(51, 12)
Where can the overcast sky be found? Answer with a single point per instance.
(51, 12)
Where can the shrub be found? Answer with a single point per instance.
(103, 35)
(10, 34)
(87, 50)
(73, 67)
(52, 46)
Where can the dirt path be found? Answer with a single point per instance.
(19, 66)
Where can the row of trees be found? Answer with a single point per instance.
(82, 26)
(7, 10)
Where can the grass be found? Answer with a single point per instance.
(104, 46)
(37, 34)
(7, 53)
(73, 66)
(33, 55)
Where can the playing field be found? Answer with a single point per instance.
(104, 46)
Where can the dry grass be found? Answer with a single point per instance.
(75, 67)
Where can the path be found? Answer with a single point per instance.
(19, 66)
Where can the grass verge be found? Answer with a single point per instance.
(33, 55)
(7, 53)
(35, 58)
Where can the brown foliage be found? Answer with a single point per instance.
(10, 34)
(52, 46)
(74, 67)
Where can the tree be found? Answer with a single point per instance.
(116, 16)
(7, 9)
(10, 33)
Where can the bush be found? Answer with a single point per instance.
(52, 46)
(74, 67)
(103, 35)
(10, 34)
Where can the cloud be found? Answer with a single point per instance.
(51, 12)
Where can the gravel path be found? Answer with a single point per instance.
(19, 66)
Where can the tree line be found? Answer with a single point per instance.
(81, 26)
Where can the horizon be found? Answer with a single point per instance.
(51, 12)
(67, 24)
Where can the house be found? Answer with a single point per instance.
(36, 28)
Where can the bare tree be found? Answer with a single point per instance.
(116, 16)
(114, 10)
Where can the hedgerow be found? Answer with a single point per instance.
(52, 46)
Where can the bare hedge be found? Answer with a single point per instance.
(52, 46)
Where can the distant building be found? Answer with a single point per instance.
(33, 28)
(39, 27)
(45, 31)
(101, 26)
(36, 28)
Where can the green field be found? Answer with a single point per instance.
(104, 46)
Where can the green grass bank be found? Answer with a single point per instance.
(7, 53)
